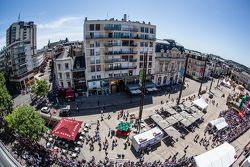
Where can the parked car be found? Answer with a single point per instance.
(45, 110)
(65, 112)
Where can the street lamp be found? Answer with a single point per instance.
(142, 79)
(183, 79)
(203, 75)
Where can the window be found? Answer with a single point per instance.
(110, 75)
(92, 52)
(150, 58)
(91, 27)
(66, 66)
(151, 30)
(98, 68)
(141, 44)
(149, 71)
(117, 27)
(97, 27)
(93, 77)
(141, 65)
(67, 75)
(98, 76)
(142, 29)
(141, 57)
(59, 66)
(146, 29)
(69, 84)
(61, 84)
(92, 68)
(150, 65)
(97, 44)
(60, 75)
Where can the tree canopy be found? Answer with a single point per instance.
(6, 102)
(40, 88)
(26, 122)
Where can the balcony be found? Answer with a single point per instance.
(121, 29)
(117, 37)
(120, 68)
(121, 52)
(111, 44)
(120, 60)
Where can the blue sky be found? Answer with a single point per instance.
(221, 27)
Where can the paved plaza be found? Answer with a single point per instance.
(90, 112)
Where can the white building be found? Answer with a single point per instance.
(114, 53)
(63, 68)
(169, 62)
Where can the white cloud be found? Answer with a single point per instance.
(58, 23)
(71, 27)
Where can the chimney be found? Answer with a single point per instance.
(125, 17)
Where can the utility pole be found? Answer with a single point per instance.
(183, 80)
(143, 79)
(213, 77)
(203, 76)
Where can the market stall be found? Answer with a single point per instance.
(221, 156)
(200, 103)
(123, 129)
(147, 139)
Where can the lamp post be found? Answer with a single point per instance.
(183, 80)
(203, 75)
(142, 78)
(213, 77)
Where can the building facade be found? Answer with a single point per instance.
(241, 77)
(196, 65)
(21, 49)
(114, 53)
(169, 62)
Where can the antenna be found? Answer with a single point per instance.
(19, 17)
(107, 15)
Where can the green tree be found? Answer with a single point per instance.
(6, 102)
(40, 88)
(26, 122)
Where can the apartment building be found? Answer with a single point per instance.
(21, 49)
(241, 77)
(63, 68)
(196, 65)
(114, 53)
(169, 62)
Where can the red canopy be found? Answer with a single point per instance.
(67, 128)
(69, 93)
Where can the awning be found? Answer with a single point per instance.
(171, 120)
(136, 91)
(200, 103)
(221, 156)
(219, 123)
(163, 124)
(67, 129)
(156, 118)
(172, 132)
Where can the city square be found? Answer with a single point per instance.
(124, 84)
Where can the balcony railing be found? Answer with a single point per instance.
(121, 29)
(120, 60)
(117, 37)
(121, 52)
(120, 68)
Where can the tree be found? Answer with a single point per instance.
(6, 102)
(26, 122)
(40, 88)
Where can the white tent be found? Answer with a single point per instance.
(219, 123)
(200, 103)
(246, 162)
(221, 156)
(147, 138)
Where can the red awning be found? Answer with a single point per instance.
(67, 129)
(69, 93)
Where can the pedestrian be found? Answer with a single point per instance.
(77, 108)
(109, 116)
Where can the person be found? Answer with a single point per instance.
(109, 116)
(77, 108)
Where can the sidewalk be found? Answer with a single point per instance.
(100, 101)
